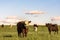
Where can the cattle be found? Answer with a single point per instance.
(27, 24)
(52, 27)
(35, 27)
(2, 25)
(22, 28)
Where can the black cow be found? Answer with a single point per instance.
(52, 27)
(21, 28)
(2, 25)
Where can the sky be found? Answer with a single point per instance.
(19, 7)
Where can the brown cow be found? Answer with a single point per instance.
(52, 27)
(21, 28)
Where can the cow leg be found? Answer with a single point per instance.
(23, 32)
(26, 32)
(19, 32)
(57, 32)
(49, 32)
(54, 32)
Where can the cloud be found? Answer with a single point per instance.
(55, 18)
(1, 20)
(11, 17)
(35, 12)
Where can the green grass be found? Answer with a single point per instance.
(41, 34)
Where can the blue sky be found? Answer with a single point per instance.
(18, 7)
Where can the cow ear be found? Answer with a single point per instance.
(29, 21)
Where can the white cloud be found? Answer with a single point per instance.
(35, 12)
(55, 18)
(11, 17)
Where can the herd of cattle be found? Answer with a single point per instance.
(22, 28)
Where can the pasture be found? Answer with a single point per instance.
(8, 33)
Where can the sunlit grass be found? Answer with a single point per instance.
(8, 33)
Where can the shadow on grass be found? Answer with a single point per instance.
(7, 36)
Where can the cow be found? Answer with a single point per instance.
(2, 25)
(52, 27)
(35, 27)
(22, 28)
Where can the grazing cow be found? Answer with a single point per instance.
(21, 28)
(52, 27)
(35, 27)
(2, 25)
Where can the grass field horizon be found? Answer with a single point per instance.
(8, 33)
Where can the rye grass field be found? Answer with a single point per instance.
(8, 33)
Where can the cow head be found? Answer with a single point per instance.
(48, 24)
